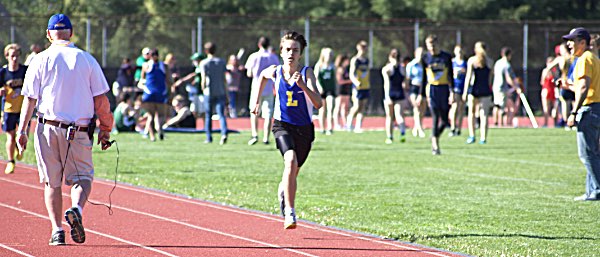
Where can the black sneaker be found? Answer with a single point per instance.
(74, 219)
(58, 238)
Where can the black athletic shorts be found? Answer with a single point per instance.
(328, 92)
(293, 137)
(415, 90)
(345, 89)
(10, 121)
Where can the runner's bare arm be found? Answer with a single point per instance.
(310, 87)
(353, 77)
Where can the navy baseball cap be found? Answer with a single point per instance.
(59, 21)
(577, 33)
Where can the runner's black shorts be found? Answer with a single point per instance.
(294, 137)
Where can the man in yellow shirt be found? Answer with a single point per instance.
(586, 112)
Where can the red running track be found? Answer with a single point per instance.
(153, 223)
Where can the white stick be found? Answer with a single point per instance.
(528, 109)
(240, 53)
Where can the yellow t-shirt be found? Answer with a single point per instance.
(589, 65)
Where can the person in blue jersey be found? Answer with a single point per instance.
(477, 91)
(156, 79)
(414, 76)
(11, 83)
(393, 95)
(359, 75)
(437, 81)
(295, 96)
(459, 66)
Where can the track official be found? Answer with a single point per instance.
(67, 86)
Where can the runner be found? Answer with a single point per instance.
(325, 73)
(11, 80)
(359, 74)
(294, 132)
(343, 91)
(414, 75)
(477, 91)
(393, 90)
(458, 105)
(438, 81)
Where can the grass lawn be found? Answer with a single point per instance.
(511, 197)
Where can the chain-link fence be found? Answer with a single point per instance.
(110, 39)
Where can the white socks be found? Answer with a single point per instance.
(290, 211)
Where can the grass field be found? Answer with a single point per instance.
(511, 197)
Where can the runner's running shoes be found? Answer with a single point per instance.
(57, 238)
(73, 217)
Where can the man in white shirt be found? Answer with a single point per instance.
(67, 86)
(256, 63)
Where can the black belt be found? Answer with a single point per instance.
(60, 125)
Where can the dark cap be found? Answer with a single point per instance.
(59, 21)
(198, 57)
(578, 33)
(153, 52)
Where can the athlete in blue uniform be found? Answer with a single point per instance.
(414, 76)
(438, 81)
(360, 77)
(296, 94)
(459, 66)
(393, 91)
(157, 80)
(11, 84)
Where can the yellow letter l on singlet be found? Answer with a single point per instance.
(290, 100)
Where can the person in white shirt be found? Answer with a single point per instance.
(255, 64)
(67, 86)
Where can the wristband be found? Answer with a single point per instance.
(22, 132)
(574, 113)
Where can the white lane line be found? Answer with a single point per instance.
(239, 211)
(93, 231)
(15, 250)
(174, 221)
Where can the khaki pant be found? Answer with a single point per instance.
(53, 152)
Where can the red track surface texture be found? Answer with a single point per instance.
(152, 223)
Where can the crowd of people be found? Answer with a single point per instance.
(285, 93)
(344, 82)
(153, 96)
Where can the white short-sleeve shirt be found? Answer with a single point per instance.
(259, 61)
(64, 79)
